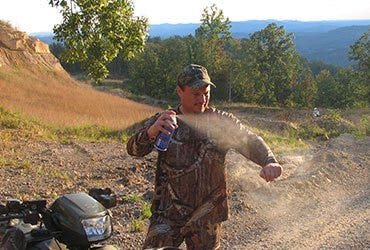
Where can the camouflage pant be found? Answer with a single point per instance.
(163, 234)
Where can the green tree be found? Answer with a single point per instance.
(95, 31)
(273, 54)
(143, 71)
(211, 37)
(327, 90)
(304, 87)
(317, 66)
(352, 91)
(360, 53)
(154, 72)
(173, 57)
(241, 85)
(57, 49)
(118, 67)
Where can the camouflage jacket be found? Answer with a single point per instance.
(190, 185)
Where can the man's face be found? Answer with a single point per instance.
(194, 100)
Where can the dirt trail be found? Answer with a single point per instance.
(320, 202)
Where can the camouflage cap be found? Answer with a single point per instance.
(194, 76)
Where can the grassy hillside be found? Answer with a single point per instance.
(56, 99)
(53, 105)
(33, 83)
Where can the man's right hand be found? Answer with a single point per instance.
(161, 122)
(271, 171)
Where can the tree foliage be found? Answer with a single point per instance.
(263, 69)
(304, 88)
(154, 72)
(327, 90)
(241, 86)
(360, 53)
(212, 35)
(274, 57)
(342, 90)
(95, 31)
(58, 49)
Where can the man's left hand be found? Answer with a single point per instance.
(271, 171)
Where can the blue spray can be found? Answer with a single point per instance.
(163, 140)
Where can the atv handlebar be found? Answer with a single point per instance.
(29, 211)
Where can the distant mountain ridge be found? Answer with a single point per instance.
(332, 46)
(328, 41)
(243, 29)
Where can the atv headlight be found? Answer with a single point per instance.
(98, 228)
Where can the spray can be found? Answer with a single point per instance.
(163, 140)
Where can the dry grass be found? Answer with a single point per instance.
(56, 99)
(6, 25)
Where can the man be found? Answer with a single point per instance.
(190, 199)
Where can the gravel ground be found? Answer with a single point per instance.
(320, 202)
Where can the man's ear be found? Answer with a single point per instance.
(179, 91)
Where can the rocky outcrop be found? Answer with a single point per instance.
(17, 48)
(17, 40)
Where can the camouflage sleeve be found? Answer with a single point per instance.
(245, 141)
(254, 148)
(140, 144)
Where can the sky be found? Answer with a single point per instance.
(38, 16)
